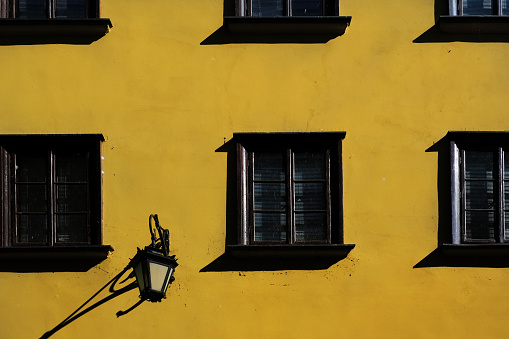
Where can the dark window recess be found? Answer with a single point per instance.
(480, 187)
(319, 17)
(482, 7)
(49, 9)
(275, 8)
(51, 191)
(475, 17)
(289, 189)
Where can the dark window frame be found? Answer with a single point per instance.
(496, 143)
(9, 9)
(458, 23)
(243, 8)
(457, 8)
(52, 144)
(331, 142)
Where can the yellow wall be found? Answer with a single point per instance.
(165, 103)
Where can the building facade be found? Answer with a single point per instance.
(323, 173)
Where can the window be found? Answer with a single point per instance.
(475, 16)
(289, 189)
(288, 17)
(281, 8)
(480, 187)
(44, 9)
(51, 191)
(481, 7)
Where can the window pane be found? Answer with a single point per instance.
(72, 228)
(479, 194)
(269, 166)
(269, 196)
(31, 167)
(32, 228)
(71, 167)
(307, 7)
(506, 195)
(477, 7)
(506, 225)
(310, 196)
(504, 7)
(31, 9)
(267, 8)
(71, 198)
(270, 227)
(31, 198)
(71, 9)
(309, 166)
(479, 165)
(506, 165)
(480, 225)
(310, 226)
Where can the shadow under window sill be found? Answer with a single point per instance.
(52, 258)
(467, 255)
(275, 30)
(278, 257)
(52, 31)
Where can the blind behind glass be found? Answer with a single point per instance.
(71, 9)
(267, 8)
(31, 9)
(479, 195)
(477, 7)
(307, 7)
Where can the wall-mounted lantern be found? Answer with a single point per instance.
(153, 266)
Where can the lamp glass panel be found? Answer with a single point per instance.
(138, 271)
(158, 274)
(168, 280)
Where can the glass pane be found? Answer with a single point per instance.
(480, 225)
(310, 196)
(270, 227)
(267, 8)
(504, 7)
(269, 196)
(31, 167)
(309, 166)
(72, 228)
(269, 166)
(72, 198)
(31, 198)
(71, 9)
(506, 195)
(479, 194)
(479, 165)
(32, 228)
(307, 7)
(506, 225)
(158, 274)
(310, 226)
(31, 9)
(71, 167)
(506, 164)
(477, 7)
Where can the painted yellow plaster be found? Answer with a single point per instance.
(165, 103)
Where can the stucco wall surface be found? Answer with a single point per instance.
(165, 103)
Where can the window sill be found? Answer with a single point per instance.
(477, 250)
(51, 259)
(474, 24)
(336, 251)
(54, 27)
(330, 25)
